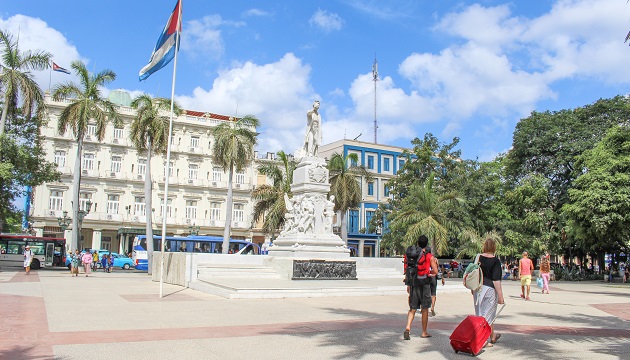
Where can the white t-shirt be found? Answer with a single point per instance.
(28, 257)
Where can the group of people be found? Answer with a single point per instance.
(90, 261)
(422, 296)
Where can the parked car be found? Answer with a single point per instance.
(120, 260)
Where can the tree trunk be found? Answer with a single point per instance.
(344, 228)
(76, 183)
(5, 111)
(148, 191)
(228, 214)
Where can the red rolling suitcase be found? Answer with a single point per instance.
(471, 335)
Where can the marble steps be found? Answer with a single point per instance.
(378, 273)
(246, 271)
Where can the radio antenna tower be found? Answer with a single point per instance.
(375, 78)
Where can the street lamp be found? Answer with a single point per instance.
(64, 222)
(194, 230)
(83, 213)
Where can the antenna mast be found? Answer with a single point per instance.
(375, 78)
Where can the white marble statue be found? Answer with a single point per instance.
(313, 136)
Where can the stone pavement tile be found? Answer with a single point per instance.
(620, 310)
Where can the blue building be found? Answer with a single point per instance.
(383, 161)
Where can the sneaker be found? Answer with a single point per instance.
(406, 335)
(527, 298)
(522, 296)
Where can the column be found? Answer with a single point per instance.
(361, 244)
(67, 234)
(96, 239)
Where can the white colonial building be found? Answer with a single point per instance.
(113, 174)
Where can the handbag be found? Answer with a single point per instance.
(539, 282)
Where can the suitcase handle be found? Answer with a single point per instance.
(497, 315)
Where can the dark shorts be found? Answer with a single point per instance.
(433, 285)
(420, 297)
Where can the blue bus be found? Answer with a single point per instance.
(191, 244)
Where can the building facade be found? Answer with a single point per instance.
(383, 162)
(113, 174)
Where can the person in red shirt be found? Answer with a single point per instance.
(525, 268)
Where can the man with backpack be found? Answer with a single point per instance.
(419, 267)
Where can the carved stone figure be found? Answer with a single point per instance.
(313, 136)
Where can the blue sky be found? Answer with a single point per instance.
(469, 69)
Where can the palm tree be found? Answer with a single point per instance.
(271, 197)
(233, 150)
(149, 133)
(16, 79)
(344, 185)
(472, 242)
(425, 212)
(87, 105)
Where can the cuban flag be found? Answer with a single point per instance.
(164, 50)
(60, 69)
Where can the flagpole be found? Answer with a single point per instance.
(168, 152)
(50, 77)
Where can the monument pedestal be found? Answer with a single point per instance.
(311, 249)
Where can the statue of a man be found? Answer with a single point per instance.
(313, 136)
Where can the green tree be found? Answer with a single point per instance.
(270, 198)
(344, 185)
(86, 104)
(233, 150)
(472, 243)
(16, 80)
(423, 211)
(23, 164)
(549, 143)
(599, 204)
(149, 134)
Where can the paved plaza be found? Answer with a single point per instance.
(50, 315)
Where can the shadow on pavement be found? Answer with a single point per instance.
(26, 353)
(386, 340)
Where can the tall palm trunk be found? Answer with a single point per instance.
(76, 182)
(5, 111)
(228, 214)
(148, 190)
(344, 227)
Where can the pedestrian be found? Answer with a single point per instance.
(75, 259)
(440, 274)
(28, 259)
(110, 263)
(491, 293)
(86, 259)
(419, 283)
(545, 269)
(525, 267)
(433, 285)
(104, 262)
(514, 271)
(95, 259)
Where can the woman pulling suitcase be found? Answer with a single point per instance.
(491, 292)
(477, 332)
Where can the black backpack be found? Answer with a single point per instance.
(413, 254)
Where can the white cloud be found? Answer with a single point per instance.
(202, 37)
(326, 21)
(35, 34)
(255, 12)
(279, 94)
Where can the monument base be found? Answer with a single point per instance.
(314, 268)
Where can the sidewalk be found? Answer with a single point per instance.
(50, 315)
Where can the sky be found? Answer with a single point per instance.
(467, 69)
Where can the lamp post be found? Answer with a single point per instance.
(194, 230)
(81, 215)
(64, 222)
